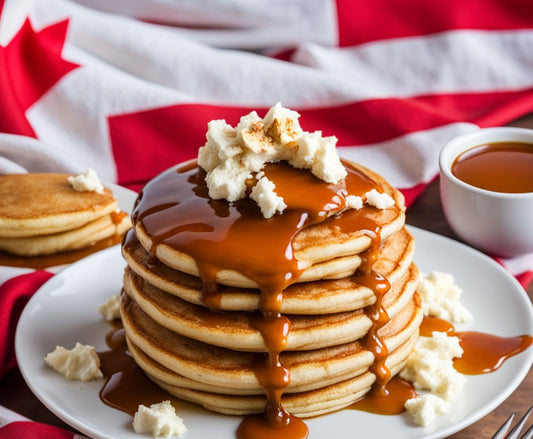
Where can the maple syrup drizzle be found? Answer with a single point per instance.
(376, 312)
(219, 235)
(434, 324)
(388, 394)
(483, 353)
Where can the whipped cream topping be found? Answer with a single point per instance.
(233, 156)
(86, 182)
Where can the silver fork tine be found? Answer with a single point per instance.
(513, 434)
(500, 434)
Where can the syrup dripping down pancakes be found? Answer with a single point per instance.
(299, 314)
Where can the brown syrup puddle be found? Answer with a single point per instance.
(126, 385)
(499, 167)
(57, 259)
(483, 353)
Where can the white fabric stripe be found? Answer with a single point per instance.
(19, 153)
(519, 264)
(249, 24)
(449, 62)
(180, 64)
(407, 160)
(8, 416)
(220, 23)
(330, 76)
(456, 61)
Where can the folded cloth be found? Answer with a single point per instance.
(14, 294)
(127, 88)
(15, 426)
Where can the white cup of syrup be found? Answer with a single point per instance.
(486, 187)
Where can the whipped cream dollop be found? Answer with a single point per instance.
(430, 366)
(110, 309)
(86, 182)
(80, 363)
(441, 297)
(233, 156)
(159, 419)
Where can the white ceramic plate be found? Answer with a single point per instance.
(64, 311)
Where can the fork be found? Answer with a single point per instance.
(513, 434)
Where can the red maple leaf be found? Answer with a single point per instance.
(29, 66)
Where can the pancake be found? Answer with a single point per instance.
(327, 250)
(236, 330)
(287, 284)
(162, 374)
(319, 297)
(39, 204)
(307, 404)
(227, 368)
(304, 404)
(81, 237)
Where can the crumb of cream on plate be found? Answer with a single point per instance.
(79, 363)
(430, 366)
(160, 420)
(110, 309)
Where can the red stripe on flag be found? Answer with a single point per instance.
(525, 278)
(384, 19)
(14, 294)
(33, 430)
(145, 143)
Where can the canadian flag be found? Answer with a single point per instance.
(127, 86)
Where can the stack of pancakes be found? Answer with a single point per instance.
(42, 214)
(195, 323)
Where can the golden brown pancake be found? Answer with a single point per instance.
(320, 297)
(75, 239)
(327, 250)
(207, 281)
(236, 329)
(305, 404)
(40, 204)
(213, 365)
(42, 214)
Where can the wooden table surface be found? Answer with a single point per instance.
(425, 213)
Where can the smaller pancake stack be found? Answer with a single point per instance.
(193, 321)
(42, 214)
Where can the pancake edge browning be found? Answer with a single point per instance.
(234, 329)
(322, 249)
(229, 368)
(328, 296)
